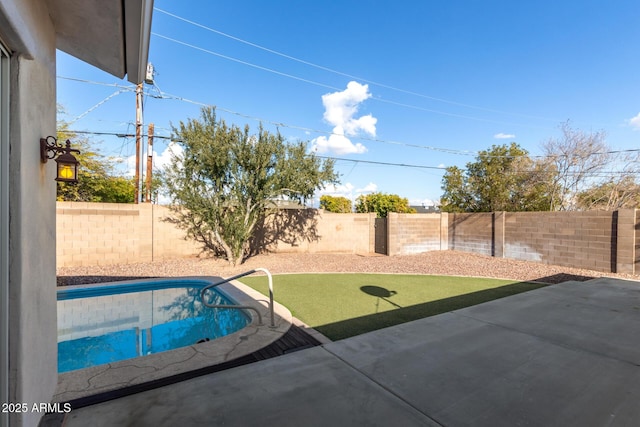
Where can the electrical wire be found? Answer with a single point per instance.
(113, 95)
(164, 95)
(311, 130)
(340, 73)
(75, 79)
(364, 138)
(595, 174)
(381, 163)
(210, 52)
(373, 97)
(125, 135)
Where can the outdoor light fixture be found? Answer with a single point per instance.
(67, 169)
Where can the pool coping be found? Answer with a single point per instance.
(127, 373)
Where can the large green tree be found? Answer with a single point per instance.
(226, 179)
(503, 178)
(382, 204)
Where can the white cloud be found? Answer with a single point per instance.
(337, 143)
(340, 109)
(504, 136)
(635, 122)
(131, 165)
(344, 190)
(369, 188)
(161, 161)
(347, 190)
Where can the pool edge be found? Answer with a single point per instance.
(128, 373)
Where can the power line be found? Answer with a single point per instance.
(376, 98)
(594, 174)
(119, 135)
(116, 93)
(341, 73)
(74, 79)
(229, 58)
(123, 135)
(311, 130)
(364, 138)
(381, 163)
(164, 95)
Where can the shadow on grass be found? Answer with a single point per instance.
(359, 325)
(380, 293)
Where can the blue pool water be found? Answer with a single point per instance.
(103, 324)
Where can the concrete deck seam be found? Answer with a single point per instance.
(382, 386)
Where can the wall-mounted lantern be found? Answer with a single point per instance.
(67, 165)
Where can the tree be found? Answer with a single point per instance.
(226, 179)
(577, 157)
(457, 197)
(335, 204)
(97, 181)
(382, 204)
(503, 178)
(610, 195)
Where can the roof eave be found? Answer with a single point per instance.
(112, 35)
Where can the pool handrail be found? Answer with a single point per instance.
(237, 276)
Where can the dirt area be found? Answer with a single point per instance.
(436, 262)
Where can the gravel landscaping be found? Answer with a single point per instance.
(436, 262)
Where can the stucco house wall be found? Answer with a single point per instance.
(28, 33)
(99, 32)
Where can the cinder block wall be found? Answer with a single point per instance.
(346, 233)
(597, 240)
(636, 246)
(112, 233)
(414, 233)
(471, 232)
(626, 258)
(102, 233)
(575, 239)
(314, 230)
(169, 241)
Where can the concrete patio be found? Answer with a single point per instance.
(565, 355)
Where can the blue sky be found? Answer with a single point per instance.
(419, 83)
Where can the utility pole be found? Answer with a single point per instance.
(149, 163)
(138, 139)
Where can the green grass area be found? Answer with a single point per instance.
(344, 305)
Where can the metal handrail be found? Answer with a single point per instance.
(237, 276)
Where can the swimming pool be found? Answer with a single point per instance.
(157, 367)
(104, 324)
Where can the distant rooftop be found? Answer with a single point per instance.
(426, 209)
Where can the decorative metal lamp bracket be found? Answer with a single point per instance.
(67, 165)
(50, 149)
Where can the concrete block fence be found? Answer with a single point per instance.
(112, 233)
(103, 233)
(596, 240)
(116, 233)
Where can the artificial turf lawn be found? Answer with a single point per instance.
(344, 305)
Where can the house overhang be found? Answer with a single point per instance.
(112, 35)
